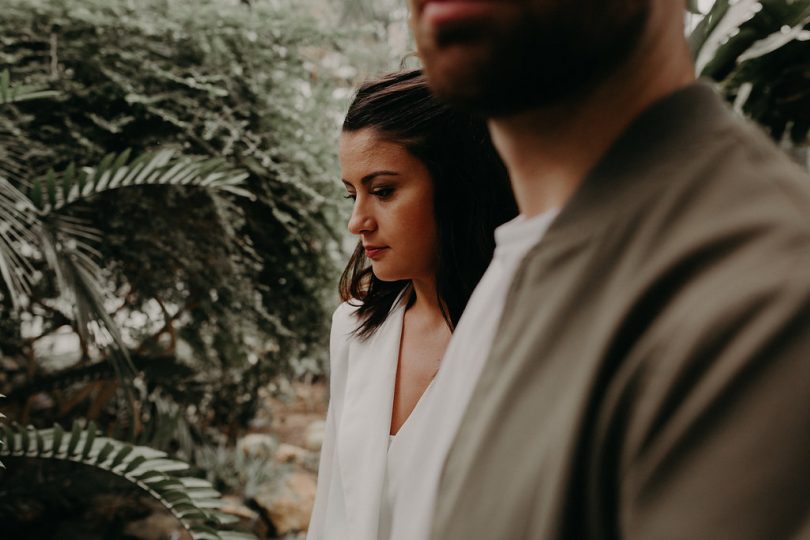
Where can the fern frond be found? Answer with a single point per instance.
(194, 502)
(22, 92)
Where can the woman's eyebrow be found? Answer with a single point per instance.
(369, 177)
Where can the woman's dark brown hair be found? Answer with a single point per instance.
(472, 195)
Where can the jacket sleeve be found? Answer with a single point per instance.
(342, 327)
(719, 441)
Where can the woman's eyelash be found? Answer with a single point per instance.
(378, 192)
(383, 192)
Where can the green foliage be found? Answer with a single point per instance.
(238, 287)
(759, 52)
(33, 220)
(194, 502)
(233, 469)
(239, 279)
(2, 444)
(12, 94)
(195, 296)
(692, 6)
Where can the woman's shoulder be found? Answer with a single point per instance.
(344, 324)
(346, 311)
(344, 318)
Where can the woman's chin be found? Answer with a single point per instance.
(384, 274)
(386, 278)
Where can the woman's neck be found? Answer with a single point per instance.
(426, 301)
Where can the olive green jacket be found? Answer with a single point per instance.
(650, 378)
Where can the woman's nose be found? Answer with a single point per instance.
(361, 221)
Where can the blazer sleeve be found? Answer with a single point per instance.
(343, 322)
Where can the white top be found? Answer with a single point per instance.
(418, 464)
(399, 447)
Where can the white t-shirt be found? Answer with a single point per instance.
(415, 461)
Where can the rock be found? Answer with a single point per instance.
(288, 502)
(7, 364)
(233, 506)
(261, 424)
(157, 526)
(249, 520)
(288, 453)
(257, 445)
(315, 434)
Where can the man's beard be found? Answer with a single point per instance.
(539, 61)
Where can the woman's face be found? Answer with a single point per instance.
(393, 205)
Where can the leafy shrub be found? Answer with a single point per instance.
(237, 278)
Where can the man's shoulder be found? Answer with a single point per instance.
(699, 160)
(747, 158)
(728, 235)
(741, 193)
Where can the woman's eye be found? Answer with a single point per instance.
(382, 192)
(351, 196)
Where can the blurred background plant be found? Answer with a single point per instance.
(758, 53)
(160, 311)
(172, 230)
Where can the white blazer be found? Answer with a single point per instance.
(354, 453)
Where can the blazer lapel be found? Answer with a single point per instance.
(366, 421)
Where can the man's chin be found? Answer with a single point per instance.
(477, 85)
(455, 73)
(516, 64)
(477, 76)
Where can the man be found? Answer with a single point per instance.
(645, 371)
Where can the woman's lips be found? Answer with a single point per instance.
(438, 13)
(375, 252)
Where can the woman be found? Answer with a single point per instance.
(428, 191)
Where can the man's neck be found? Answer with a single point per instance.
(549, 151)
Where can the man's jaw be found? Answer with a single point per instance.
(445, 22)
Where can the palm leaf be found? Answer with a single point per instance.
(2, 444)
(117, 171)
(194, 502)
(66, 244)
(732, 27)
(79, 279)
(757, 52)
(692, 6)
(13, 163)
(18, 220)
(721, 23)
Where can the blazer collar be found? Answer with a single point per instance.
(365, 424)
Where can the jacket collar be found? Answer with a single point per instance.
(641, 161)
